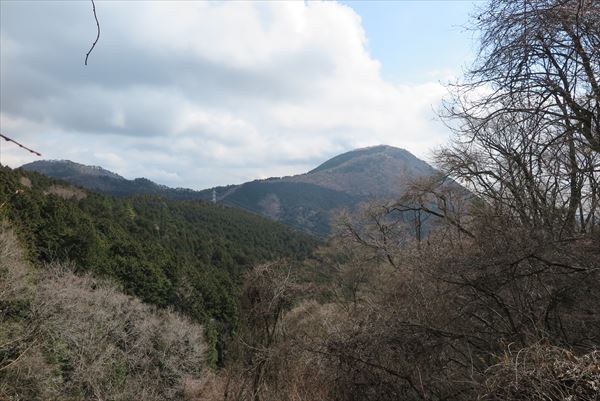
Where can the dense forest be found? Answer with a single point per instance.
(188, 255)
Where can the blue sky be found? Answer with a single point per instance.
(412, 39)
(199, 94)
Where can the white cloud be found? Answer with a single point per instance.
(199, 94)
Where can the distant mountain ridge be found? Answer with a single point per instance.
(99, 179)
(66, 169)
(306, 201)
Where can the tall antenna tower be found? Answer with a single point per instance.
(214, 196)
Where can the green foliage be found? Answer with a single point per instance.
(303, 205)
(211, 338)
(183, 254)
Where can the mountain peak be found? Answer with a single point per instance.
(372, 153)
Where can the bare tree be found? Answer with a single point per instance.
(527, 116)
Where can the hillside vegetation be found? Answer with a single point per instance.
(496, 299)
(65, 336)
(184, 254)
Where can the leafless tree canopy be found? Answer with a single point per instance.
(527, 116)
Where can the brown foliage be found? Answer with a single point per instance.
(67, 192)
(429, 322)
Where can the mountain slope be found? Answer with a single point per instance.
(344, 182)
(305, 201)
(378, 171)
(188, 255)
(68, 336)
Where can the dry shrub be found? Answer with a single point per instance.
(543, 372)
(79, 338)
(207, 388)
(428, 321)
(26, 182)
(426, 327)
(299, 370)
(228, 384)
(373, 341)
(66, 192)
(279, 350)
(110, 345)
(13, 268)
(21, 362)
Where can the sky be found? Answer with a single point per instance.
(200, 94)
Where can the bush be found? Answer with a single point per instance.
(543, 372)
(79, 338)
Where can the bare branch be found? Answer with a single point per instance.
(97, 35)
(20, 145)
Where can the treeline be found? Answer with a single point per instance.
(183, 254)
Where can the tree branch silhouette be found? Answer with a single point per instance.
(97, 36)
(20, 145)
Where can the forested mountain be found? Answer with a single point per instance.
(98, 179)
(183, 254)
(305, 201)
(345, 181)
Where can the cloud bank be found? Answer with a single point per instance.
(197, 94)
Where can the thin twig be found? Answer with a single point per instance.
(20, 145)
(19, 357)
(97, 36)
